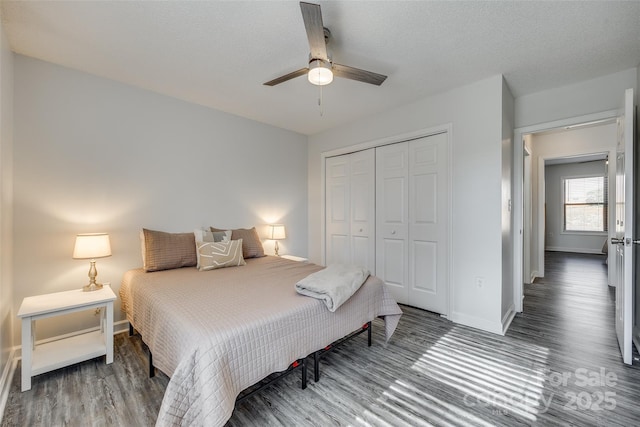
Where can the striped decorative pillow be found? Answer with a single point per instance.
(212, 255)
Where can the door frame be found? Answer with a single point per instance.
(518, 189)
(394, 139)
(527, 213)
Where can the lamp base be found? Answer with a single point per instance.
(92, 287)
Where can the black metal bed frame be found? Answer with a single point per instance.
(297, 364)
(319, 353)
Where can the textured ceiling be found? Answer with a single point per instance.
(218, 54)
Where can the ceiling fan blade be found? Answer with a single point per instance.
(312, 17)
(357, 74)
(286, 77)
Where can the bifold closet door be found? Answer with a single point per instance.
(428, 223)
(412, 221)
(350, 209)
(392, 217)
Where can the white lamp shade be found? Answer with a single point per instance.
(93, 245)
(320, 73)
(277, 232)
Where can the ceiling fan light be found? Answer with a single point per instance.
(320, 73)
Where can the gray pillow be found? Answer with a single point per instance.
(211, 236)
(251, 244)
(164, 251)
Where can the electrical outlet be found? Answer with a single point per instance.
(479, 282)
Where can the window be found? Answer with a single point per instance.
(585, 204)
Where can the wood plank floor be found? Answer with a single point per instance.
(559, 364)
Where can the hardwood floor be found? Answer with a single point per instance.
(559, 364)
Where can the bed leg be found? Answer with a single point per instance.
(369, 334)
(316, 366)
(304, 374)
(152, 371)
(130, 329)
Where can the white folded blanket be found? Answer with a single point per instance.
(334, 285)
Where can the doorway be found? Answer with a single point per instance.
(534, 163)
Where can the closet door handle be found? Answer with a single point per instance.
(616, 241)
(393, 232)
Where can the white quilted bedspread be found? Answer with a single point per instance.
(217, 332)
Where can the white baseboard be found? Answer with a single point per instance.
(6, 380)
(574, 250)
(508, 318)
(476, 322)
(534, 276)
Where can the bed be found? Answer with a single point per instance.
(216, 333)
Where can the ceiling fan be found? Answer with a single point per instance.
(322, 69)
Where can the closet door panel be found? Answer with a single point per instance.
(392, 218)
(425, 195)
(393, 268)
(425, 269)
(350, 209)
(337, 210)
(428, 223)
(363, 207)
(338, 249)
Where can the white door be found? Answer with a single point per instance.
(428, 223)
(363, 210)
(623, 240)
(412, 216)
(392, 217)
(337, 212)
(350, 209)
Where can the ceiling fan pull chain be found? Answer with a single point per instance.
(320, 102)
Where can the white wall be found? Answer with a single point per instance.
(557, 239)
(95, 155)
(6, 202)
(589, 140)
(475, 113)
(578, 99)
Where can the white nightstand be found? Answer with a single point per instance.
(294, 258)
(57, 354)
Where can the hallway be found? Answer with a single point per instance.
(571, 313)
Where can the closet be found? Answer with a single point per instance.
(412, 221)
(350, 209)
(387, 208)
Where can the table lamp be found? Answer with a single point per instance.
(91, 246)
(276, 232)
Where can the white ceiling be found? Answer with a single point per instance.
(218, 54)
